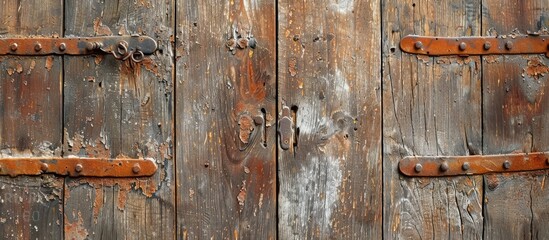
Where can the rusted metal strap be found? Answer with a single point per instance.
(464, 46)
(121, 47)
(427, 166)
(78, 167)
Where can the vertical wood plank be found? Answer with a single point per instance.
(30, 105)
(431, 106)
(225, 126)
(329, 75)
(114, 109)
(515, 113)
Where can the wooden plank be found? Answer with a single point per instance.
(114, 109)
(225, 126)
(431, 106)
(30, 107)
(515, 109)
(329, 75)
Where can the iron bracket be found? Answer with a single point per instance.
(285, 128)
(121, 47)
(465, 46)
(78, 167)
(437, 166)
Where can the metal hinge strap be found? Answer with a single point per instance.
(437, 166)
(464, 46)
(121, 47)
(78, 167)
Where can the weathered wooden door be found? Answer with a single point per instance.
(272, 119)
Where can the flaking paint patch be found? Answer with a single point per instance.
(343, 6)
(307, 200)
(75, 230)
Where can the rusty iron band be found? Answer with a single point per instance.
(121, 47)
(437, 166)
(465, 46)
(78, 167)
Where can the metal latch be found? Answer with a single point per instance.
(78, 167)
(285, 128)
(121, 47)
(436, 166)
(464, 46)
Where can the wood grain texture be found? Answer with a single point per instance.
(515, 120)
(431, 106)
(114, 108)
(329, 75)
(30, 122)
(225, 126)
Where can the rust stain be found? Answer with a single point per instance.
(151, 66)
(292, 67)
(246, 127)
(49, 63)
(536, 68)
(75, 230)
(97, 203)
(100, 29)
(99, 58)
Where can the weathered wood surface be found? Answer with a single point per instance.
(329, 75)
(431, 106)
(30, 108)
(114, 108)
(225, 120)
(515, 120)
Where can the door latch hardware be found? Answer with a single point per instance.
(78, 167)
(285, 128)
(121, 47)
(437, 166)
(465, 46)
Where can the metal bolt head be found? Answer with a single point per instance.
(509, 45)
(44, 167)
(487, 45)
(14, 46)
(466, 166)
(444, 167)
(506, 164)
(136, 168)
(90, 46)
(37, 47)
(252, 43)
(62, 47)
(418, 45)
(462, 46)
(418, 168)
(79, 167)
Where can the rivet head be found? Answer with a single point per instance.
(509, 45)
(418, 45)
(79, 167)
(506, 164)
(466, 166)
(14, 46)
(444, 167)
(44, 167)
(462, 46)
(62, 47)
(37, 47)
(418, 167)
(487, 45)
(136, 168)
